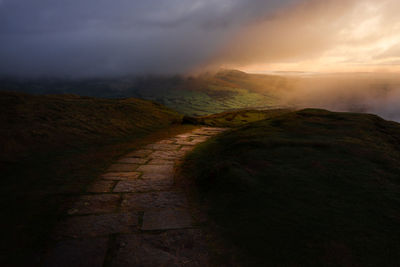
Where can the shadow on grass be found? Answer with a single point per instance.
(308, 188)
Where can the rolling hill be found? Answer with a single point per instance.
(35, 122)
(203, 94)
(306, 188)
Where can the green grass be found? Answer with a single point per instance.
(194, 96)
(307, 188)
(213, 93)
(211, 100)
(237, 118)
(53, 147)
(35, 123)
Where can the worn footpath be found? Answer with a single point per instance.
(134, 214)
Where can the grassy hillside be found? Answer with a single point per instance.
(52, 147)
(214, 93)
(35, 123)
(197, 95)
(236, 118)
(307, 188)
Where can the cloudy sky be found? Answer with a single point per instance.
(113, 37)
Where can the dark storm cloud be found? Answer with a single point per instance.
(109, 37)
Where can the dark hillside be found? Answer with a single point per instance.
(307, 188)
(36, 123)
(52, 147)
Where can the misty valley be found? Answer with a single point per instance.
(226, 90)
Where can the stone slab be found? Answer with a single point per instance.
(133, 160)
(97, 225)
(123, 176)
(172, 248)
(77, 253)
(142, 186)
(168, 155)
(122, 167)
(166, 220)
(213, 129)
(200, 139)
(101, 187)
(163, 147)
(184, 136)
(157, 169)
(166, 141)
(208, 134)
(202, 132)
(192, 142)
(154, 201)
(208, 131)
(142, 153)
(159, 177)
(161, 162)
(91, 204)
(187, 136)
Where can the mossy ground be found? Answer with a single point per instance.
(307, 188)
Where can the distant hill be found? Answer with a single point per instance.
(192, 95)
(306, 188)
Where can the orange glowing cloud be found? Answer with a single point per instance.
(315, 35)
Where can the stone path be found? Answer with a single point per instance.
(135, 215)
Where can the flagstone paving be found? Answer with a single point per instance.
(134, 214)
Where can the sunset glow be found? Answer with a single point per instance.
(177, 36)
(320, 36)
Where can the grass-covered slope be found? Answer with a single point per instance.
(236, 118)
(308, 188)
(214, 93)
(36, 123)
(53, 147)
(195, 96)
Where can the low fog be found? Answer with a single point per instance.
(353, 92)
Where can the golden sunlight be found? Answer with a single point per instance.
(329, 36)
